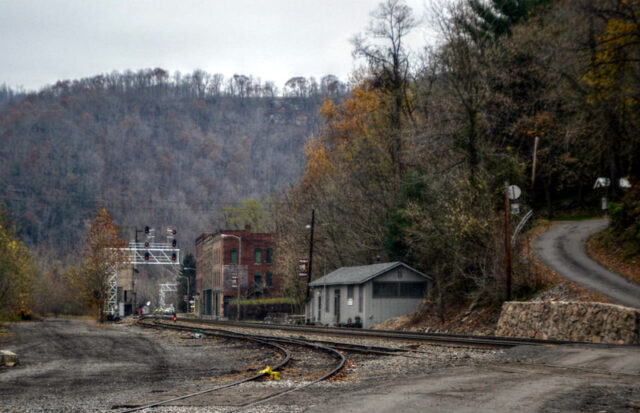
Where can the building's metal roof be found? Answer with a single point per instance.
(360, 274)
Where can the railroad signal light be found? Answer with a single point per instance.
(174, 232)
(175, 317)
(174, 243)
(173, 256)
(146, 230)
(146, 256)
(146, 243)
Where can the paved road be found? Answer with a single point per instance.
(563, 249)
(536, 379)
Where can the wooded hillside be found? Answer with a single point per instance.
(152, 149)
(410, 164)
(413, 165)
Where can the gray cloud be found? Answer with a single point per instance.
(44, 41)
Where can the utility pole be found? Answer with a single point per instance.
(133, 275)
(313, 221)
(507, 244)
(533, 168)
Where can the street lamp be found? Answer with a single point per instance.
(310, 227)
(238, 270)
(188, 287)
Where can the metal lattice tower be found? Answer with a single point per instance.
(166, 288)
(142, 253)
(112, 292)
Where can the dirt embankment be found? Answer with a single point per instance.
(613, 257)
(482, 319)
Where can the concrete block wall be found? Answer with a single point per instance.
(574, 321)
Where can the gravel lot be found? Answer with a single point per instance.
(79, 366)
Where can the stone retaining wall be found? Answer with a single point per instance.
(574, 321)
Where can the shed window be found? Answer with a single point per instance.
(349, 294)
(258, 254)
(269, 255)
(269, 279)
(319, 305)
(385, 290)
(412, 290)
(360, 297)
(326, 303)
(399, 290)
(234, 256)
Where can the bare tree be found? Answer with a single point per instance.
(462, 63)
(329, 85)
(296, 86)
(389, 62)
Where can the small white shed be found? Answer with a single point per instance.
(366, 295)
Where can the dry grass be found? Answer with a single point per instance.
(346, 374)
(533, 274)
(612, 256)
(457, 320)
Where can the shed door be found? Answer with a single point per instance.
(336, 304)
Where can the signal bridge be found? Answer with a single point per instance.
(143, 253)
(153, 253)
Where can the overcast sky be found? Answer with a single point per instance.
(42, 41)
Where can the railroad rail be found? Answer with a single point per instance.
(221, 329)
(276, 343)
(430, 338)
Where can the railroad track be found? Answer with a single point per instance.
(416, 337)
(304, 363)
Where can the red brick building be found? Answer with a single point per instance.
(221, 260)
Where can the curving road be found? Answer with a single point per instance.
(563, 249)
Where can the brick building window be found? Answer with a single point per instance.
(269, 255)
(269, 279)
(257, 281)
(258, 254)
(234, 256)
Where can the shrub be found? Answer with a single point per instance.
(625, 222)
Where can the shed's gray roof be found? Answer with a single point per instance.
(360, 274)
